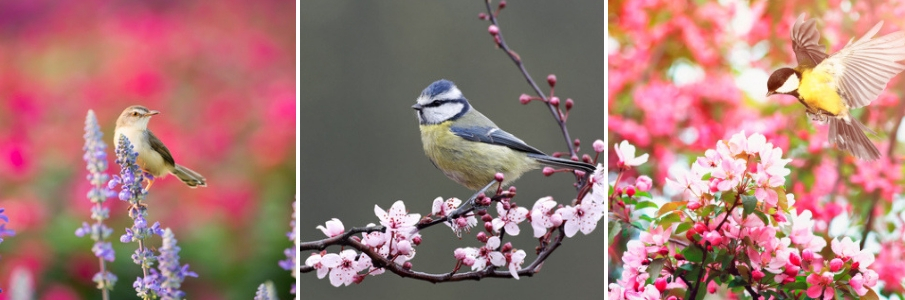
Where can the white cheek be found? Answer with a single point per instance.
(790, 85)
(452, 93)
(442, 113)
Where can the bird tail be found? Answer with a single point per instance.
(191, 178)
(564, 163)
(848, 134)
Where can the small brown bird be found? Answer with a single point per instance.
(153, 157)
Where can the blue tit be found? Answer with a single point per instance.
(468, 147)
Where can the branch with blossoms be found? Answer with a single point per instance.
(741, 228)
(390, 246)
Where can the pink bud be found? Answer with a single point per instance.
(711, 287)
(512, 189)
(580, 173)
(569, 103)
(664, 251)
(576, 142)
(630, 191)
(459, 253)
(700, 227)
(486, 218)
(498, 177)
(554, 100)
(807, 255)
(494, 30)
(506, 247)
(672, 298)
(794, 259)
(836, 265)
(404, 247)
(556, 219)
(548, 171)
(856, 265)
(660, 284)
(599, 146)
(497, 40)
(679, 256)
(482, 237)
(524, 98)
(551, 80)
(714, 184)
(416, 240)
(586, 158)
(643, 183)
(488, 227)
(468, 261)
(461, 222)
(556, 154)
(357, 279)
(792, 270)
(757, 275)
(482, 16)
(407, 265)
(486, 201)
(507, 206)
(502, 4)
(694, 205)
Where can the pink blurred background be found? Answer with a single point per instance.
(223, 77)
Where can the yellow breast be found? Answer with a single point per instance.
(818, 91)
(472, 164)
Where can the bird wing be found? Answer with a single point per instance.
(862, 68)
(806, 42)
(158, 146)
(495, 136)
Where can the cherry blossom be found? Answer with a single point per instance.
(821, 285)
(515, 262)
(334, 228)
(509, 218)
(626, 154)
(315, 261)
(344, 267)
(582, 217)
(397, 219)
(541, 215)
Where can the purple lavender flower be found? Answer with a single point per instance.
(96, 159)
(3, 230)
(171, 272)
(263, 292)
(289, 262)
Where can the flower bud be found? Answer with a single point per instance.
(663, 251)
(599, 146)
(498, 177)
(486, 218)
(554, 101)
(493, 30)
(792, 270)
(482, 237)
(757, 275)
(407, 265)
(569, 103)
(502, 4)
(629, 190)
(694, 205)
(416, 240)
(482, 16)
(556, 219)
(643, 183)
(660, 284)
(551, 80)
(679, 256)
(836, 265)
(506, 247)
(488, 227)
(524, 98)
(548, 171)
(461, 222)
(794, 259)
(807, 255)
(459, 253)
(404, 247)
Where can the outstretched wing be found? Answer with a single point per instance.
(806, 42)
(863, 68)
(495, 136)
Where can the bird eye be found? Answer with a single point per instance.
(135, 113)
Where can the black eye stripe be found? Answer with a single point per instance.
(436, 103)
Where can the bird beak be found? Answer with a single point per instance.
(151, 113)
(770, 93)
(416, 106)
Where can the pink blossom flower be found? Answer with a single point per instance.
(689, 183)
(861, 283)
(730, 172)
(315, 261)
(821, 285)
(626, 154)
(634, 255)
(541, 215)
(397, 219)
(334, 227)
(442, 208)
(599, 146)
(515, 262)
(344, 267)
(650, 292)
(643, 183)
(711, 159)
(509, 219)
(616, 292)
(802, 231)
(658, 236)
(488, 253)
(583, 217)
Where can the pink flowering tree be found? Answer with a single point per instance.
(349, 255)
(683, 76)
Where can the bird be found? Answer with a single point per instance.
(468, 147)
(830, 86)
(153, 156)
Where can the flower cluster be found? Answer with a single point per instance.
(3, 231)
(740, 229)
(289, 263)
(400, 235)
(96, 159)
(165, 280)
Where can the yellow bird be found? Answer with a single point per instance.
(830, 86)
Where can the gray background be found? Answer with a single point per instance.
(364, 63)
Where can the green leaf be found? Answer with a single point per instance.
(728, 197)
(670, 207)
(693, 254)
(667, 220)
(655, 267)
(615, 228)
(796, 286)
(683, 227)
(738, 281)
(762, 217)
(646, 204)
(646, 218)
(646, 195)
(748, 204)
